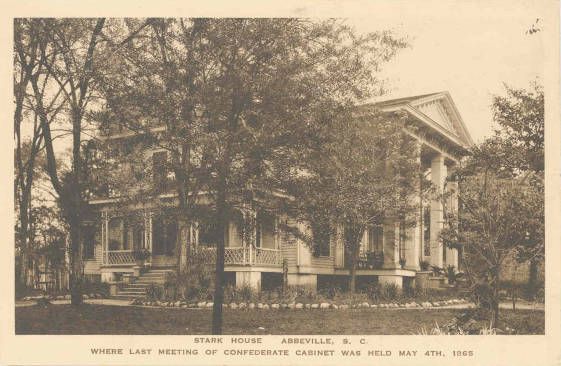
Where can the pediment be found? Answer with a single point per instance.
(436, 110)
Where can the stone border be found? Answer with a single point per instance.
(298, 306)
(64, 297)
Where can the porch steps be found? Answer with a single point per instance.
(138, 287)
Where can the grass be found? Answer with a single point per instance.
(103, 319)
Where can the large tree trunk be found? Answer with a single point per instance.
(494, 321)
(352, 241)
(354, 259)
(75, 263)
(533, 278)
(222, 218)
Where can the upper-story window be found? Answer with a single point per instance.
(160, 170)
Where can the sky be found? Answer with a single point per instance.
(467, 49)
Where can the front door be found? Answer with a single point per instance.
(164, 241)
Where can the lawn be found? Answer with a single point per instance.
(103, 319)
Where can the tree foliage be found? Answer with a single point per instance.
(501, 200)
(239, 100)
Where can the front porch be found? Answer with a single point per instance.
(145, 239)
(236, 256)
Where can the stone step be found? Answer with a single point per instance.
(134, 289)
(131, 294)
(149, 280)
(152, 278)
(124, 297)
(136, 285)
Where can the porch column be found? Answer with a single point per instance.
(249, 278)
(105, 242)
(391, 245)
(339, 247)
(147, 235)
(438, 178)
(184, 243)
(249, 235)
(413, 239)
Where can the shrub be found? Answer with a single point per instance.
(436, 271)
(331, 293)
(197, 283)
(425, 265)
(374, 292)
(172, 286)
(243, 293)
(390, 291)
(154, 292)
(246, 293)
(451, 274)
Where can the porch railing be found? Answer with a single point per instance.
(232, 256)
(267, 257)
(119, 257)
(242, 256)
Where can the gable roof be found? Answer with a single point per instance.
(436, 110)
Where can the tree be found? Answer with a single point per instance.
(237, 96)
(28, 69)
(364, 175)
(520, 113)
(501, 195)
(66, 53)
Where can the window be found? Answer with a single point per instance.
(117, 237)
(265, 235)
(138, 236)
(89, 242)
(322, 239)
(208, 234)
(376, 239)
(126, 233)
(164, 236)
(159, 169)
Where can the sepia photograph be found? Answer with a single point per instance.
(292, 183)
(278, 176)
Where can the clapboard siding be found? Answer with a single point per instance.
(289, 246)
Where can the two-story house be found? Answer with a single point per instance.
(112, 246)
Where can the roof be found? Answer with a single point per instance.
(446, 119)
(404, 100)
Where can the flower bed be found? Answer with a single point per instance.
(92, 295)
(297, 305)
